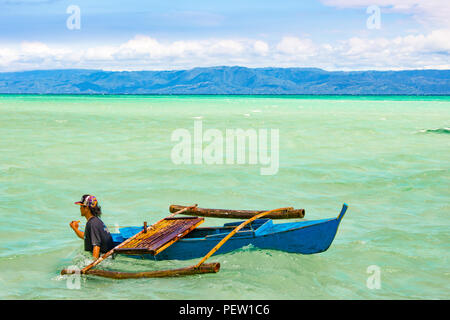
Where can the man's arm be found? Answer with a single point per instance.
(96, 252)
(74, 226)
(96, 239)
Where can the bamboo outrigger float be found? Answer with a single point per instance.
(287, 213)
(180, 238)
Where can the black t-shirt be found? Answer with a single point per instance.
(96, 234)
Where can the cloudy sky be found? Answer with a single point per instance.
(166, 35)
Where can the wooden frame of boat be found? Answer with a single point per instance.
(200, 267)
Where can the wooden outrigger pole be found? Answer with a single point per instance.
(285, 213)
(200, 267)
(205, 268)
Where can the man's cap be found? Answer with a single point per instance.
(88, 201)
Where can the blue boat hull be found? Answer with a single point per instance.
(305, 237)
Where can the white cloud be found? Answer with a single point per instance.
(7, 56)
(183, 48)
(435, 42)
(261, 47)
(142, 52)
(142, 47)
(409, 52)
(357, 53)
(297, 47)
(35, 48)
(226, 47)
(146, 48)
(100, 53)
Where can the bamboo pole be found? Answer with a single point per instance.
(110, 252)
(243, 224)
(204, 268)
(289, 213)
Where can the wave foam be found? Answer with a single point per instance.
(437, 130)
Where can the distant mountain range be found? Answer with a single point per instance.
(227, 80)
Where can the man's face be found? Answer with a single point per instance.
(84, 210)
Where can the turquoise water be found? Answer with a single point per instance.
(387, 157)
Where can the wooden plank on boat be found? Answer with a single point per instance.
(160, 236)
(288, 213)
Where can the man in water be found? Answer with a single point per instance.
(96, 236)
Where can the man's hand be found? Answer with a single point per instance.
(74, 225)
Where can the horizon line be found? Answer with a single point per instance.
(223, 66)
(228, 94)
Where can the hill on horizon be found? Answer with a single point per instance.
(227, 80)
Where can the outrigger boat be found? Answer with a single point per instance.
(181, 239)
(305, 237)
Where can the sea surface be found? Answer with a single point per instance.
(388, 158)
